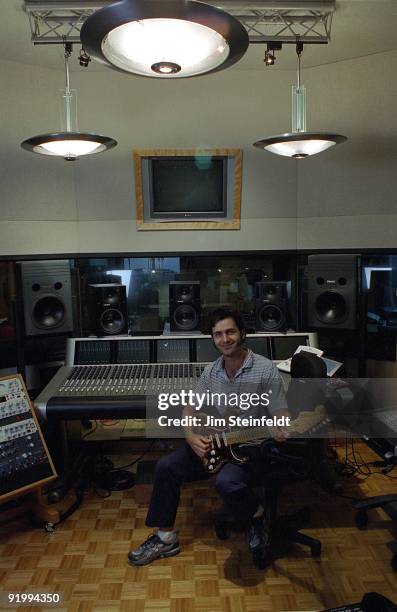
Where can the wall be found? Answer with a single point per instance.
(347, 195)
(343, 198)
(52, 206)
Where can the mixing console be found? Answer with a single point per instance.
(112, 377)
(107, 391)
(24, 461)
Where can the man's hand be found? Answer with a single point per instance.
(281, 434)
(199, 444)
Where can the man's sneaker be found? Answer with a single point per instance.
(151, 549)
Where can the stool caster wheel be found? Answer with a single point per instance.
(222, 533)
(361, 519)
(316, 550)
(393, 562)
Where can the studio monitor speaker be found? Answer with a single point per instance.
(184, 302)
(47, 297)
(271, 306)
(107, 309)
(332, 291)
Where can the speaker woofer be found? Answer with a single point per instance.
(48, 312)
(185, 317)
(331, 307)
(271, 317)
(111, 321)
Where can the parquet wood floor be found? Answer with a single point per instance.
(85, 558)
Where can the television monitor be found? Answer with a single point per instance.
(175, 187)
(183, 188)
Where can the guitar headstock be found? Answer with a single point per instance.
(309, 421)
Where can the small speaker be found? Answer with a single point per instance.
(332, 291)
(107, 309)
(184, 302)
(271, 305)
(47, 297)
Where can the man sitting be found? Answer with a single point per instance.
(236, 370)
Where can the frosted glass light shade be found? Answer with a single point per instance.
(139, 46)
(164, 38)
(299, 144)
(68, 145)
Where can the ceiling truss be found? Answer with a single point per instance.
(59, 21)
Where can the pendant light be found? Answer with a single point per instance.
(69, 144)
(164, 38)
(299, 143)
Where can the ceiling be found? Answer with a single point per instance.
(359, 28)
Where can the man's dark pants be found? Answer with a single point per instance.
(233, 483)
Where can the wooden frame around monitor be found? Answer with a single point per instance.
(231, 224)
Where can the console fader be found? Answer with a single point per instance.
(24, 459)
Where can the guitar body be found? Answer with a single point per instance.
(221, 454)
(222, 451)
(225, 444)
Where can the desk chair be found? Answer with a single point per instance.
(374, 396)
(388, 503)
(287, 462)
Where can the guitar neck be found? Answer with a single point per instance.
(248, 435)
(302, 425)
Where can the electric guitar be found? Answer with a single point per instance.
(224, 444)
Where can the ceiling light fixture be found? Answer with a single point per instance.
(270, 55)
(164, 38)
(299, 143)
(270, 58)
(69, 144)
